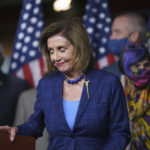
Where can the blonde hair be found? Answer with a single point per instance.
(72, 30)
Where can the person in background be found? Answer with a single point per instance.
(135, 65)
(25, 107)
(82, 108)
(128, 27)
(10, 88)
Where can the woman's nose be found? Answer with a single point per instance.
(56, 56)
(141, 67)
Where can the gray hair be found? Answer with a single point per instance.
(137, 23)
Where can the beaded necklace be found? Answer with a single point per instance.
(77, 80)
(74, 81)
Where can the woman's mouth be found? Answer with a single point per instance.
(59, 64)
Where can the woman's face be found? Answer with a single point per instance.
(144, 64)
(61, 53)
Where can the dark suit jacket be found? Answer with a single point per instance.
(101, 122)
(10, 89)
(114, 69)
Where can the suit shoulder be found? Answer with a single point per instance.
(104, 78)
(114, 69)
(29, 92)
(20, 83)
(17, 80)
(50, 76)
(104, 74)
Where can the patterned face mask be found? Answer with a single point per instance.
(141, 77)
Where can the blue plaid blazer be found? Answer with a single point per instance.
(101, 122)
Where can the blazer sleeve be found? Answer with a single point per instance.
(119, 131)
(35, 124)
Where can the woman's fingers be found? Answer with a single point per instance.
(13, 132)
(5, 129)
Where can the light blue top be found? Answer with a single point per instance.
(70, 110)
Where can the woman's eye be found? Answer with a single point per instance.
(146, 64)
(137, 65)
(51, 52)
(62, 49)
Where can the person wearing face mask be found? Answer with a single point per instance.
(126, 28)
(135, 65)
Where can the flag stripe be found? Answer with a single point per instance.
(103, 62)
(27, 74)
(35, 71)
(42, 64)
(111, 58)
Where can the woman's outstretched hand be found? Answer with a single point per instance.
(11, 130)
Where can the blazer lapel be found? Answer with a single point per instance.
(57, 94)
(85, 100)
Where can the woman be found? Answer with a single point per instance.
(135, 64)
(81, 107)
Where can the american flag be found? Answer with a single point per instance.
(97, 22)
(27, 61)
